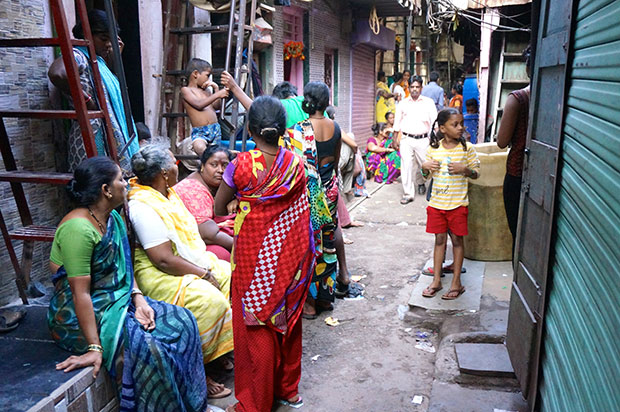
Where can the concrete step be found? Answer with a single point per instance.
(484, 359)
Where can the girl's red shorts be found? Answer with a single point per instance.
(440, 221)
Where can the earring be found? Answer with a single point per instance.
(109, 195)
(165, 174)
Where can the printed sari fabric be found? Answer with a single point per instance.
(198, 199)
(323, 197)
(114, 103)
(273, 254)
(209, 305)
(385, 167)
(162, 369)
(273, 262)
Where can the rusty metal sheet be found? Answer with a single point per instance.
(479, 4)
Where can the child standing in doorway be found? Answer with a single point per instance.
(450, 161)
(200, 105)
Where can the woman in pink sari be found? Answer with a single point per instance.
(197, 191)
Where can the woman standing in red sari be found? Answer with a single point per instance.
(272, 261)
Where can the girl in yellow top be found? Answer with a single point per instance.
(450, 160)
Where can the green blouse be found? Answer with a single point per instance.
(73, 246)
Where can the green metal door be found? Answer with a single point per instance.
(581, 342)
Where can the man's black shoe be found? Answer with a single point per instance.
(421, 189)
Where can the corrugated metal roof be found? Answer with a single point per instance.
(479, 4)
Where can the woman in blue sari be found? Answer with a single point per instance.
(99, 25)
(97, 311)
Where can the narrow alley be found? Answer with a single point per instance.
(369, 361)
(176, 180)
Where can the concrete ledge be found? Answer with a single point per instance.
(81, 393)
(30, 381)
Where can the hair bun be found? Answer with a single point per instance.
(72, 188)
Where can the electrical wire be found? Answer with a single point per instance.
(446, 11)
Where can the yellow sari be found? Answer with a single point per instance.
(383, 105)
(210, 306)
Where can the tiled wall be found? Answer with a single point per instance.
(24, 84)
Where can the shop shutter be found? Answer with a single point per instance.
(363, 89)
(581, 347)
(534, 238)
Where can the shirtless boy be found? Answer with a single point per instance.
(201, 104)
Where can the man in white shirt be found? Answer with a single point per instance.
(414, 119)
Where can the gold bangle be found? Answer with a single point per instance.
(206, 273)
(95, 348)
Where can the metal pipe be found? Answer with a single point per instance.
(237, 74)
(231, 22)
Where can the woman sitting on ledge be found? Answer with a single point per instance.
(98, 312)
(171, 261)
(197, 192)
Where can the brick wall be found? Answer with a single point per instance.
(82, 393)
(24, 84)
(325, 34)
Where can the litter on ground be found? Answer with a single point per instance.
(332, 321)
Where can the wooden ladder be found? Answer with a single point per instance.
(29, 232)
(173, 75)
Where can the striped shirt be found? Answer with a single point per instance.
(450, 191)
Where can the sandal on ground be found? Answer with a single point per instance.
(352, 290)
(309, 316)
(297, 404)
(217, 390)
(9, 318)
(354, 223)
(406, 200)
(346, 240)
(459, 292)
(231, 408)
(213, 408)
(446, 269)
(430, 292)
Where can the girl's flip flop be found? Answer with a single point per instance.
(459, 292)
(432, 293)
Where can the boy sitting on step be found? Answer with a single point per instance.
(200, 104)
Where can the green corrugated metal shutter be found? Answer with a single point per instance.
(581, 358)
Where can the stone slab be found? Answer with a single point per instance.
(484, 359)
(470, 300)
(451, 397)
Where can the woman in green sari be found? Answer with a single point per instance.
(97, 311)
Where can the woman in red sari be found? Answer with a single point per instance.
(272, 260)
